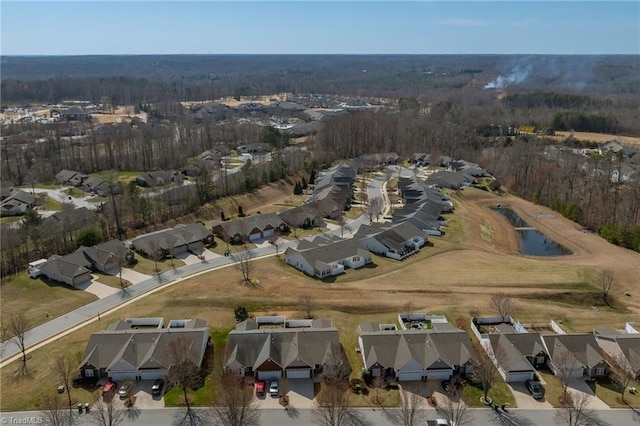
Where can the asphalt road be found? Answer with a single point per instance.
(369, 417)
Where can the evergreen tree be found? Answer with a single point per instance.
(297, 190)
(304, 183)
(240, 211)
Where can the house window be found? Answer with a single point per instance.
(88, 373)
(600, 371)
(539, 360)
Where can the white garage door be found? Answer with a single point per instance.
(519, 376)
(253, 237)
(267, 233)
(151, 375)
(269, 375)
(438, 374)
(118, 376)
(409, 375)
(299, 373)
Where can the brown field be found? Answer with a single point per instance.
(597, 137)
(456, 276)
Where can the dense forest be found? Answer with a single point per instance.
(444, 105)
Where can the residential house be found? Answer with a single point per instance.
(74, 114)
(66, 270)
(250, 228)
(323, 261)
(17, 204)
(611, 145)
(101, 187)
(139, 348)
(512, 365)
(69, 220)
(174, 241)
(298, 349)
(409, 355)
(577, 354)
(6, 190)
(254, 148)
(109, 256)
(158, 178)
(397, 241)
(341, 175)
(70, 177)
(419, 158)
(621, 346)
(304, 216)
(451, 180)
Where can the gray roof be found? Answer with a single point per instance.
(287, 347)
(62, 267)
(67, 220)
(243, 226)
(392, 236)
(168, 239)
(529, 344)
(298, 215)
(334, 252)
(583, 347)
(508, 355)
(449, 179)
(135, 349)
(429, 349)
(630, 347)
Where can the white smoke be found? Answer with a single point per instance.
(517, 75)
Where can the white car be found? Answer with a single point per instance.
(273, 388)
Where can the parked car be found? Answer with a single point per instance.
(446, 385)
(157, 387)
(260, 388)
(273, 388)
(125, 389)
(437, 422)
(109, 387)
(535, 389)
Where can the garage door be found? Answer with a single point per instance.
(438, 374)
(151, 375)
(267, 233)
(299, 373)
(519, 376)
(409, 375)
(269, 375)
(118, 376)
(253, 237)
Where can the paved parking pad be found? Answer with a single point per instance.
(524, 398)
(580, 386)
(97, 288)
(144, 399)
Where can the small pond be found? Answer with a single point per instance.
(532, 241)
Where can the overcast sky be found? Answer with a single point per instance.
(416, 27)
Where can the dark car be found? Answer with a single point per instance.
(446, 385)
(535, 389)
(157, 387)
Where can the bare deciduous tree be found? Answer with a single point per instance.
(308, 304)
(622, 374)
(575, 411)
(373, 209)
(332, 407)
(454, 411)
(411, 410)
(65, 367)
(183, 372)
(504, 304)
(277, 243)
(607, 284)
(484, 373)
(337, 366)
(156, 254)
(18, 328)
(378, 383)
(233, 404)
(565, 365)
(244, 264)
(54, 411)
(112, 412)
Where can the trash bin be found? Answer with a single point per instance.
(86, 407)
(80, 408)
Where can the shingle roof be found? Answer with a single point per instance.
(132, 349)
(429, 349)
(583, 347)
(287, 347)
(508, 356)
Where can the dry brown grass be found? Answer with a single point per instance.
(597, 137)
(456, 277)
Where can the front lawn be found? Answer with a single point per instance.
(609, 393)
(552, 387)
(148, 266)
(111, 280)
(499, 394)
(38, 297)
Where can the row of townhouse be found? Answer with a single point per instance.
(517, 353)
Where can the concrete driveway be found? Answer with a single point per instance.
(190, 258)
(524, 398)
(581, 386)
(134, 277)
(97, 288)
(144, 399)
(301, 393)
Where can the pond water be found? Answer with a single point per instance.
(532, 241)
